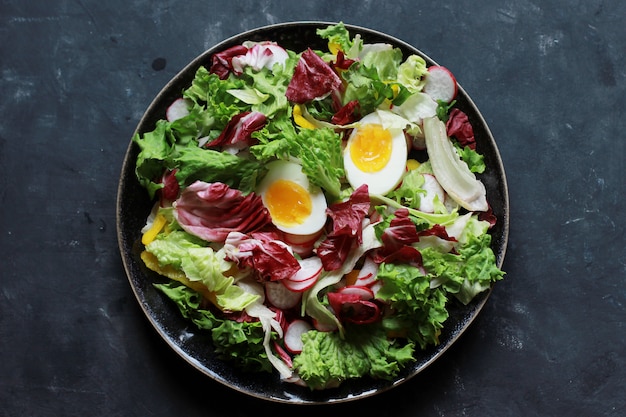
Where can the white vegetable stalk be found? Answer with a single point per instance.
(450, 170)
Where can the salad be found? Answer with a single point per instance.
(318, 211)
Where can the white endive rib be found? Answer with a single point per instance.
(450, 170)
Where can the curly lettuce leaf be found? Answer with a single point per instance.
(265, 89)
(410, 190)
(338, 35)
(318, 150)
(468, 272)
(385, 61)
(473, 159)
(240, 342)
(327, 359)
(411, 73)
(365, 86)
(243, 344)
(155, 149)
(322, 162)
(211, 92)
(209, 165)
(420, 311)
(197, 124)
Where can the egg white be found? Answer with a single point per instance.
(387, 178)
(291, 171)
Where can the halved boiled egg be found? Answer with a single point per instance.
(296, 207)
(375, 155)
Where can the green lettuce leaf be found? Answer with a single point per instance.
(172, 248)
(276, 140)
(154, 152)
(473, 159)
(207, 266)
(410, 190)
(443, 109)
(318, 150)
(201, 263)
(467, 273)
(271, 85)
(365, 86)
(209, 165)
(385, 61)
(190, 303)
(411, 73)
(327, 359)
(420, 311)
(197, 124)
(209, 91)
(321, 157)
(373, 80)
(241, 343)
(337, 34)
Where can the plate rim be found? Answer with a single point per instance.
(129, 162)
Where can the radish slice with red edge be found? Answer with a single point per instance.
(367, 275)
(280, 296)
(308, 267)
(302, 244)
(310, 270)
(293, 335)
(364, 293)
(300, 286)
(440, 84)
(177, 110)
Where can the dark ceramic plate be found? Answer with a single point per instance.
(195, 346)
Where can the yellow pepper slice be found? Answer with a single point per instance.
(299, 119)
(412, 164)
(334, 47)
(157, 225)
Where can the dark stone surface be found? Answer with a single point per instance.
(75, 78)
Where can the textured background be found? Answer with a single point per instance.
(75, 78)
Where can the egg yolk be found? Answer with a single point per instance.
(371, 148)
(289, 203)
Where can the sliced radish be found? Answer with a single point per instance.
(364, 293)
(302, 250)
(280, 296)
(440, 84)
(293, 335)
(308, 267)
(367, 275)
(310, 270)
(302, 244)
(293, 239)
(433, 189)
(177, 110)
(300, 286)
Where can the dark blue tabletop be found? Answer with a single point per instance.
(549, 78)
